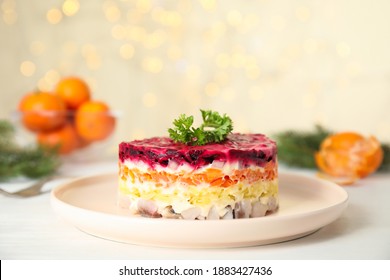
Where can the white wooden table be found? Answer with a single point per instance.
(29, 229)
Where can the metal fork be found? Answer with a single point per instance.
(33, 190)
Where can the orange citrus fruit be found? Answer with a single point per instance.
(42, 111)
(94, 121)
(74, 91)
(65, 139)
(349, 155)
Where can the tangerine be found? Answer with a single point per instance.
(94, 121)
(74, 91)
(65, 139)
(349, 155)
(42, 111)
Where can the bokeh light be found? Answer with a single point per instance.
(70, 7)
(27, 68)
(54, 16)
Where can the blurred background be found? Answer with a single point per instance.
(270, 65)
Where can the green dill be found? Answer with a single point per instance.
(385, 166)
(30, 161)
(214, 129)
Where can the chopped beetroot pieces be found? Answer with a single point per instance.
(246, 149)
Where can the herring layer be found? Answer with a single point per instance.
(196, 202)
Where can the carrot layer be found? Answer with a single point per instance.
(212, 176)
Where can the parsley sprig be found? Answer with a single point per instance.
(214, 129)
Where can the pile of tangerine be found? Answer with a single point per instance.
(67, 118)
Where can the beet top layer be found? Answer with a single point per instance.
(246, 149)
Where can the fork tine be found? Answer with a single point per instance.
(33, 190)
(7, 193)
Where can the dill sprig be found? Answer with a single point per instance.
(31, 161)
(214, 129)
(297, 148)
(385, 166)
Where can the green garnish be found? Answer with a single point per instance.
(214, 129)
(297, 148)
(31, 161)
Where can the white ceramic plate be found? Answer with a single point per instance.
(306, 205)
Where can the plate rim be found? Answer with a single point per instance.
(341, 204)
